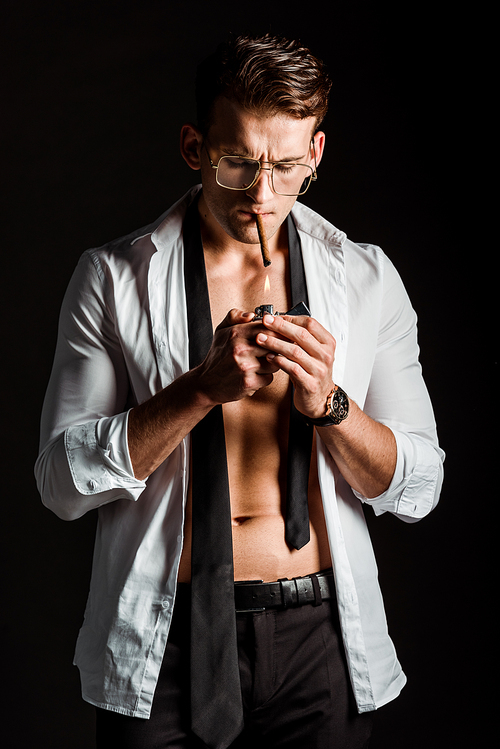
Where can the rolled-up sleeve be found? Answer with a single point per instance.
(416, 484)
(398, 397)
(84, 460)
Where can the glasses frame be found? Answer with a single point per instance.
(314, 175)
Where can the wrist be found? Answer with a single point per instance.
(197, 389)
(336, 409)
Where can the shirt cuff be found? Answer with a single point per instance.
(99, 459)
(416, 483)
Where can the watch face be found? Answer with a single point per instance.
(339, 405)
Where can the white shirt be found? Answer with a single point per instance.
(122, 337)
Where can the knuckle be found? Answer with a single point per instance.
(301, 337)
(238, 348)
(228, 320)
(298, 353)
(248, 382)
(245, 366)
(330, 355)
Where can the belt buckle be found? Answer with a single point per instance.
(249, 582)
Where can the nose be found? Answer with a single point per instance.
(262, 191)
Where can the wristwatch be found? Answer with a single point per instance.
(337, 409)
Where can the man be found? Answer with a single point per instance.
(139, 404)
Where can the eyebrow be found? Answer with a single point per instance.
(289, 159)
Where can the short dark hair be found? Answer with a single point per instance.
(267, 74)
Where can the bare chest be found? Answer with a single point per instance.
(247, 291)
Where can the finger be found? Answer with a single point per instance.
(296, 370)
(267, 365)
(300, 329)
(281, 349)
(235, 317)
(255, 382)
(261, 334)
(246, 353)
(307, 353)
(305, 369)
(310, 388)
(245, 346)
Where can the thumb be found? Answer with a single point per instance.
(235, 317)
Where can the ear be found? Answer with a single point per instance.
(319, 146)
(191, 143)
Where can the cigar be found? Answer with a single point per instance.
(263, 241)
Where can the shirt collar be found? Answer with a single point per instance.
(306, 220)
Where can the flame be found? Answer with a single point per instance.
(267, 285)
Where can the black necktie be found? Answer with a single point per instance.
(216, 705)
(299, 433)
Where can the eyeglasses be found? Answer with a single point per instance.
(240, 173)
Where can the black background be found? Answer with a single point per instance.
(94, 96)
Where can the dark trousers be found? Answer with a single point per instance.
(295, 687)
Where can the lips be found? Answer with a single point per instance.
(256, 213)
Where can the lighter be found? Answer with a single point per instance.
(268, 309)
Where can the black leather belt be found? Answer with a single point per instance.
(254, 595)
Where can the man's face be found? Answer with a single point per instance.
(269, 139)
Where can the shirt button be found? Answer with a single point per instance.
(165, 604)
(91, 484)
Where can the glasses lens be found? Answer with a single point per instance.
(237, 174)
(291, 179)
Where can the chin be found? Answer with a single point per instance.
(243, 231)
